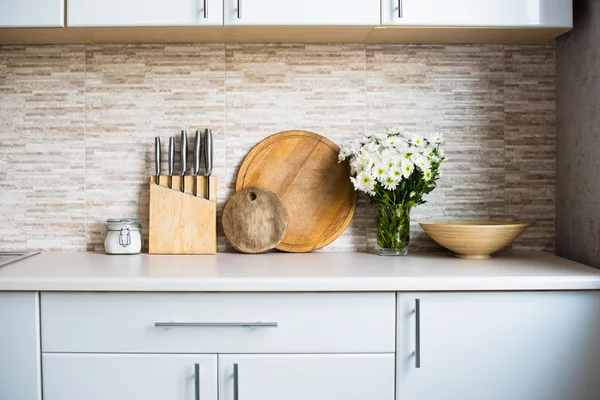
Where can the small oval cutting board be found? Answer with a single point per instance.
(302, 169)
(254, 220)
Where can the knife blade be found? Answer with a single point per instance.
(184, 150)
(197, 155)
(208, 161)
(157, 158)
(171, 160)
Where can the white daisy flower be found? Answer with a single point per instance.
(365, 182)
(407, 168)
(396, 174)
(343, 155)
(389, 183)
(380, 172)
(436, 138)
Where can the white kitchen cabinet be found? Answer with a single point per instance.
(98, 13)
(307, 376)
(492, 13)
(219, 322)
(128, 376)
(20, 373)
(31, 13)
(306, 12)
(499, 346)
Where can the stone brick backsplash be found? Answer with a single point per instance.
(77, 127)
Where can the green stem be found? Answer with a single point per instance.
(393, 226)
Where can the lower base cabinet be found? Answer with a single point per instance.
(498, 346)
(129, 376)
(20, 374)
(307, 376)
(258, 377)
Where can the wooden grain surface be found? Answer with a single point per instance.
(280, 34)
(474, 239)
(180, 223)
(254, 220)
(302, 169)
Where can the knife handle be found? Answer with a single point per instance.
(208, 151)
(197, 152)
(184, 151)
(157, 157)
(171, 155)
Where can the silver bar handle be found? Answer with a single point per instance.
(197, 381)
(236, 383)
(417, 333)
(239, 9)
(399, 8)
(218, 324)
(205, 9)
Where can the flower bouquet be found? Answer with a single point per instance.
(395, 169)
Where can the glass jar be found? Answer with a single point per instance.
(124, 236)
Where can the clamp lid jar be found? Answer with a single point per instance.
(123, 236)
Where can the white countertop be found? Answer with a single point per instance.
(280, 272)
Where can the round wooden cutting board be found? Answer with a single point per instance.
(254, 220)
(302, 169)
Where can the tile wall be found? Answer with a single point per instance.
(77, 126)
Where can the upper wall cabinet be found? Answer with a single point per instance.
(98, 13)
(31, 13)
(489, 13)
(306, 12)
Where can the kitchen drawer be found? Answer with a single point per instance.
(218, 323)
(129, 376)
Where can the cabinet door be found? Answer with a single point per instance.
(499, 346)
(20, 370)
(530, 13)
(307, 376)
(31, 13)
(307, 12)
(126, 377)
(90, 13)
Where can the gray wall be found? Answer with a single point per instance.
(578, 137)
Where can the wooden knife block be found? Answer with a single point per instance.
(181, 223)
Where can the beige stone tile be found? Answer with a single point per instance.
(135, 93)
(283, 60)
(495, 105)
(458, 196)
(42, 212)
(125, 64)
(115, 195)
(455, 90)
(531, 143)
(258, 107)
(41, 109)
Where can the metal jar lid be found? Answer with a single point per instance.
(117, 224)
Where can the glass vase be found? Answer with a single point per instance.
(393, 229)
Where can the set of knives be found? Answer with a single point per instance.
(202, 146)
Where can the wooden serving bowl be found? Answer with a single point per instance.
(474, 239)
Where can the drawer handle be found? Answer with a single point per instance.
(218, 324)
(236, 381)
(399, 8)
(417, 333)
(197, 381)
(239, 9)
(205, 9)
